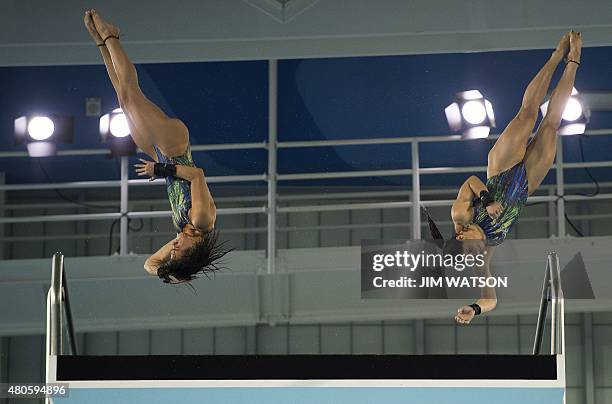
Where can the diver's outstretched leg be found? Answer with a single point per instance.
(510, 147)
(169, 134)
(142, 141)
(541, 151)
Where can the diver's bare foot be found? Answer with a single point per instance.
(91, 28)
(561, 50)
(575, 46)
(104, 28)
(564, 45)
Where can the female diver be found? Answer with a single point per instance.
(166, 140)
(515, 167)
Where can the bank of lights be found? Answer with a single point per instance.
(115, 132)
(41, 133)
(575, 116)
(471, 115)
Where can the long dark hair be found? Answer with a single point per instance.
(437, 236)
(203, 258)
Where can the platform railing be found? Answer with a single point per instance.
(552, 292)
(59, 317)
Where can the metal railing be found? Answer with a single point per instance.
(272, 177)
(552, 292)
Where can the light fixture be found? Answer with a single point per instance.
(575, 116)
(471, 114)
(41, 133)
(114, 131)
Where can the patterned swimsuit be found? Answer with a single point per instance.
(179, 190)
(510, 189)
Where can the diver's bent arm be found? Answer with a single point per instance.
(476, 185)
(203, 209)
(462, 211)
(159, 257)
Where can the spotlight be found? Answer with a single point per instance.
(114, 131)
(41, 128)
(573, 110)
(575, 116)
(471, 114)
(42, 133)
(474, 112)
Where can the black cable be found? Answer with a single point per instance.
(67, 199)
(597, 188)
(110, 236)
(62, 196)
(594, 193)
(567, 219)
(112, 228)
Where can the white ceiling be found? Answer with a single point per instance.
(39, 32)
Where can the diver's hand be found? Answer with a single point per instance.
(494, 210)
(465, 314)
(146, 168)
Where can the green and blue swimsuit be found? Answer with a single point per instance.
(509, 188)
(179, 190)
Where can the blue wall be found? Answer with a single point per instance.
(318, 99)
